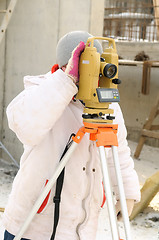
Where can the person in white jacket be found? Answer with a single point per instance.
(43, 116)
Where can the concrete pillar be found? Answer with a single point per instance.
(30, 50)
(97, 17)
(86, 15)
(73, 15)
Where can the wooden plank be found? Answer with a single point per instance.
(149, 133)
(139, 146)
(156, 11)
(129, 62)
(154, 127)
(145, 89)
(148, 191)
(157, 113)
(136, 63)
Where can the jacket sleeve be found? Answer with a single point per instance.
(35, 110)
(129, 175)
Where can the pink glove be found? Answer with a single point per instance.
(130, 205)
(73, 63)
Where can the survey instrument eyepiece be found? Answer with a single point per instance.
(97, 87)
(109, 70)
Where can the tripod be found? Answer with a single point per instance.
(105, 135)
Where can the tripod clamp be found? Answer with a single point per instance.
(104, 134)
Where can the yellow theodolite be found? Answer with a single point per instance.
(98, 81)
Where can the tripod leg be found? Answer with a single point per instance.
(121, 193)
(109, 195)
(5, 149)
(46, 190)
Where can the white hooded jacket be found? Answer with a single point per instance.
(43, 117)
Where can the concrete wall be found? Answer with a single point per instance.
(128, 50)
(29, 46)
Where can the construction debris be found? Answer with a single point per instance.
(141, 56)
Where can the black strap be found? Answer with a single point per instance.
(57, 197)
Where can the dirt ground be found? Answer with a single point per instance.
(144, 227)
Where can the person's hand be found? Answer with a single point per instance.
(130, 205)
(73, 63)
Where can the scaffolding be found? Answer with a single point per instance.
(7, 14)
(133, 20)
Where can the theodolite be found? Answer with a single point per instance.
(98, 81)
